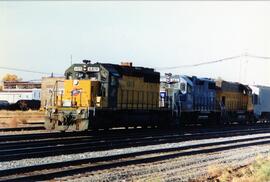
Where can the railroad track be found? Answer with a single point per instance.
(117, 132)
(82, 143)
(60, 169)
(101, 133)
(28, 128)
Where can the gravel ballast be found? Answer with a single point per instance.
(60, 158)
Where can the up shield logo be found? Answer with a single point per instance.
(75, 92)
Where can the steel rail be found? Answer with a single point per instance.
(6, 175)
(28, 128)
(73, 148)
(21, 137)
(76, 139)
(64, 140)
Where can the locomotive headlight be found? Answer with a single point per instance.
(75, 82)
(54, 110)
(80, 111)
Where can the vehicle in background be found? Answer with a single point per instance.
(21, 99)
(25, 105)
(261, 102)
(14, 95)
(4, 104)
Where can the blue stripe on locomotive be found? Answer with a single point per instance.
(197, 94)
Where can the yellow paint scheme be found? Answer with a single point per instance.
(250, 106)
(134, 93)
(234, 100)
(86, 92)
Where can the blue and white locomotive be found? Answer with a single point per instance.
(193, 99)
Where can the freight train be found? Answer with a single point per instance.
(103, 95)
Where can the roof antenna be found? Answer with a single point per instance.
(86, 61)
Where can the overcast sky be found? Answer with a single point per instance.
(41, 36)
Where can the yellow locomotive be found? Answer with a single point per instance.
(235, 101)
(102, 95)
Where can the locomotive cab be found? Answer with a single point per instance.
(197, 98)
(85, 89)
(84, 86)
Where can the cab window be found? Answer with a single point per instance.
(183, 87)
(189, 89)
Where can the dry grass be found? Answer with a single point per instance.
(258, 171)
(29, 112)
(13, 119)
(215, 170)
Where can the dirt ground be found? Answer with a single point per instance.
(12, 119)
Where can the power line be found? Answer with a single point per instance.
(213, 62)
(28, 71)
(36, 80)
(199, 64)
(259, 57)
(158, 68)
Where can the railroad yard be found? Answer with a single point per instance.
(132, 91)
(130, 155)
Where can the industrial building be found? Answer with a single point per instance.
(48, 87)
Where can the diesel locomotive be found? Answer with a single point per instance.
(103, 95)
(193, 98)
(235, 102)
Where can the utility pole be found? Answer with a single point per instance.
(240, 68)
(70, 59)
(245, 67)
